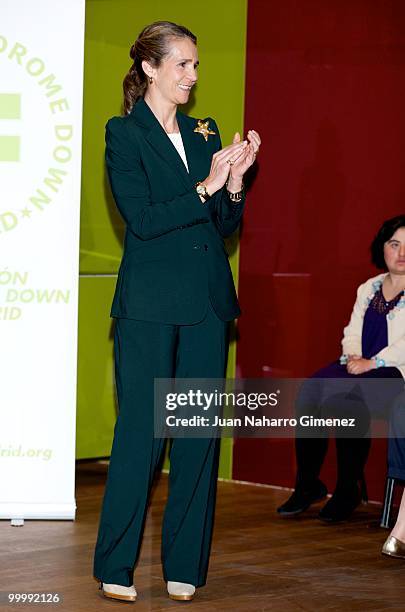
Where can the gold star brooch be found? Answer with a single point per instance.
(202, 128)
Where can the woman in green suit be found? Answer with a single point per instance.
(180, 193)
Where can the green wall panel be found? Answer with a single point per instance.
(111, 28)
(96, 408)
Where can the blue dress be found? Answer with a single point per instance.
(375, 330)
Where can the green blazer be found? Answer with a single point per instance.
(174, 258)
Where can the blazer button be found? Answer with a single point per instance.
(196, 247)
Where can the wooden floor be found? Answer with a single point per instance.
(259, 561)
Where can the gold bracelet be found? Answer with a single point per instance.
(237, 196)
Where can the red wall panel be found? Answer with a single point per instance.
(325, 88)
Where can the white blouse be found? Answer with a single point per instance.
(178, 143)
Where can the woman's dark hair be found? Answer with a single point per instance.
(152, 45)
(386, 231)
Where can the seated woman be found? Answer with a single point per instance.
(373, 348)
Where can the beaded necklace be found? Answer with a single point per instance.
(381, 305)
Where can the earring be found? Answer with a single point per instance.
(150, 80)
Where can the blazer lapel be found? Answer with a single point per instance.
(159, 140)
(194, 144)
(195, 147)
(166, 149)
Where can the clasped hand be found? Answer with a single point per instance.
(231, 162)
(356, 364)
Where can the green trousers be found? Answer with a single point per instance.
(144, 351)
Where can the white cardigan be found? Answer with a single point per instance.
(394, 353)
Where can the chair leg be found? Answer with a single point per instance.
(386, 512)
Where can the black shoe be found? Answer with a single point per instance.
(302, 498)
(342, 504)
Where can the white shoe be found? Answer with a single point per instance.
(180, 591)
(118, 591)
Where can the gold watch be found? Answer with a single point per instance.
(202, 191)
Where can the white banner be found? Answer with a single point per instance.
(41, 86)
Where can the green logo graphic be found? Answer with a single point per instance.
(10, 108)
(41, 198)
